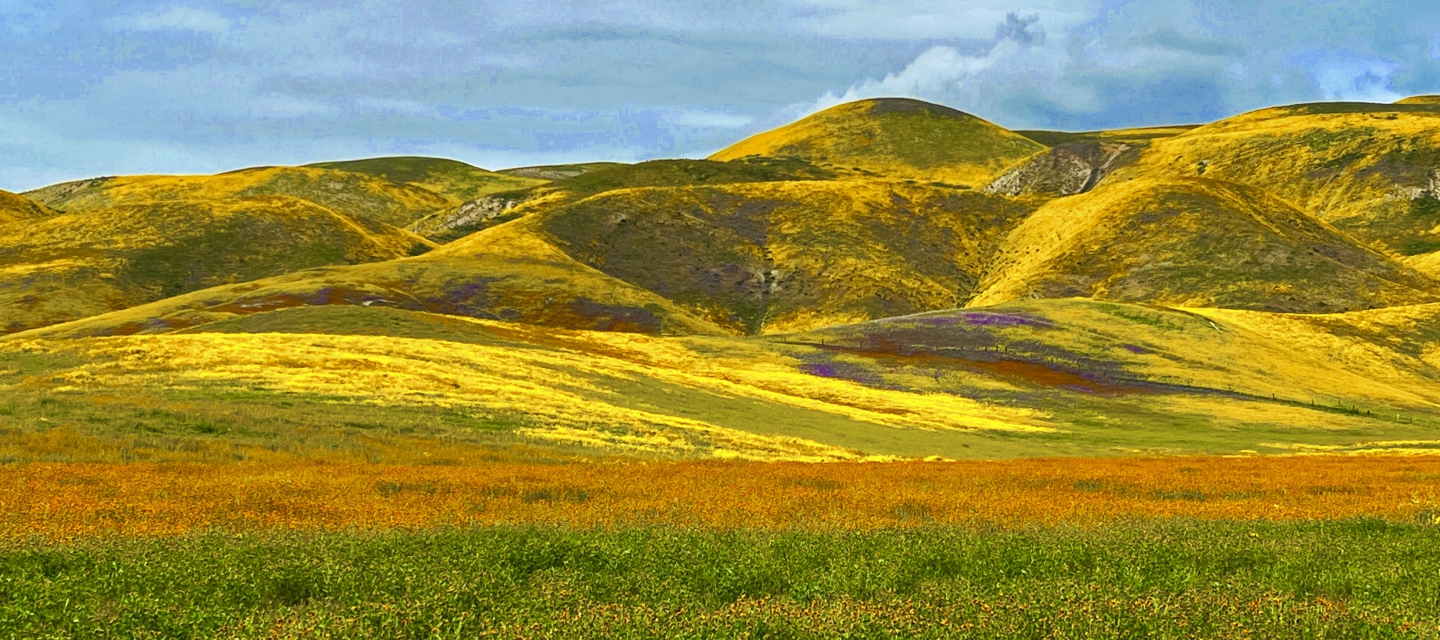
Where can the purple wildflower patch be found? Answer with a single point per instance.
(822, 370)
(983, 319)
(1134, 349)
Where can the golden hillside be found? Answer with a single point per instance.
(1432, 100)
(69, 266)
(457, 180)
(14, 208)
(781, 256)
(353, 194)
(1050, 377)
(498, 208)
(1368, 169)
(756, 257)
(504, 273)
(1195, 242)
(895, 137)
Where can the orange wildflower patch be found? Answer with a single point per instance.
(69, 501)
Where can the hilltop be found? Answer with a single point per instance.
(894, 137)
(451, 178)
(357, 195)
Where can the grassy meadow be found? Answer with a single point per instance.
(1172, 579)
(348, 471)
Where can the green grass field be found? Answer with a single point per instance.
(1171, 579)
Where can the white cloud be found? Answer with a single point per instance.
(700, 119)
(1345, 77)
(175, 19)
(975, 83)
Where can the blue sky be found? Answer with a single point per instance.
(198, 86)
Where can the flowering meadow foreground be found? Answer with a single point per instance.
(1301, 546)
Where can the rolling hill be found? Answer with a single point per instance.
(1195, 242)
(497, 208)
(505, 273)
(894, 137)
(1430, 100)
(884, 278)
(736, 256)
(116, 242)
(68, 266)
(1045, 377)
(780, 256)
(457, 180)
(1368, 169)
(15, 208)
(353, 194)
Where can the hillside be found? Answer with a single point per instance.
(504, 273)
(1136, 136)
(14, 208)
(457, 180)
(780, 256)
(894, 137)
(353, 194)
(1368, 169)
(485, 212)
(1195, 242)
(1124, 350)
(1430, 100)
(1041, 378)
(69, 266)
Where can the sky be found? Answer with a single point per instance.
(110, 87)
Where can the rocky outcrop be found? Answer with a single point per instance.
(473, 215)
(1065, 170)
